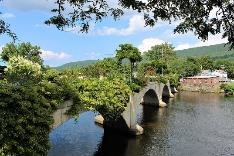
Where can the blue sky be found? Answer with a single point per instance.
(26, 18)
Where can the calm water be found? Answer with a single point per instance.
(193, 124)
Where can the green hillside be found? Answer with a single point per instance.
(76, 64)
(218, 52)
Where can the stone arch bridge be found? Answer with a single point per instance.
(151, 95)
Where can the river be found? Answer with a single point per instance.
(193, 124)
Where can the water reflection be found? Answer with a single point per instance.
(117, 144)
(76, 138)
(113, 144)
(192, 124)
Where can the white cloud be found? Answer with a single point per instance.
(148, 43)
(7, 15)
(214, 39)
(136, 23)
(50, 55)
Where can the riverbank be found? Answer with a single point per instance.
(228, 89)
(201, 88)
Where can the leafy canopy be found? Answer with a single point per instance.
(203, 17)
(29, 95)
(128, 51)
(107, 96)
(159, 56)
(21, 71)
(25, 50)
(207, 63)
(5, 29)
(161, 52)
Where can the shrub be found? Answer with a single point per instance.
(159, 79)
(25, 50)
(25, 119)
(135, 87)
(228, 88)
(107, 96)
(29, 96)
(173, 79)
(21, 71)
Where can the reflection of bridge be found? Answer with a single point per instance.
(149, 95)
(60, 115)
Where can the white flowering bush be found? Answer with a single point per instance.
(20, 70)
(29, 94)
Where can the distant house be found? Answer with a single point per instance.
(221, 74)
(201, 83)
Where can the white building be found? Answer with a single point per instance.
(219, 73)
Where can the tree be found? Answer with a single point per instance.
(203, 17)
(191, 67)
(5, 29)
(159, 57)
(194, 16)
(107, 96)
(21, 71)
(207, 63)
(161, 52)
(176, 66)
(25, 50)
(29, 95)
(228, 66)
(108, 67)
(131, 53)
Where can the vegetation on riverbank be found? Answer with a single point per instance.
(228, 89)
(29, 94)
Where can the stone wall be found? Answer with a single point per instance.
(201, 84)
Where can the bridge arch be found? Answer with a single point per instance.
(166, 92)
(150, 98)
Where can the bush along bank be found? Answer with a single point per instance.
(228, 89)
(29, 94)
